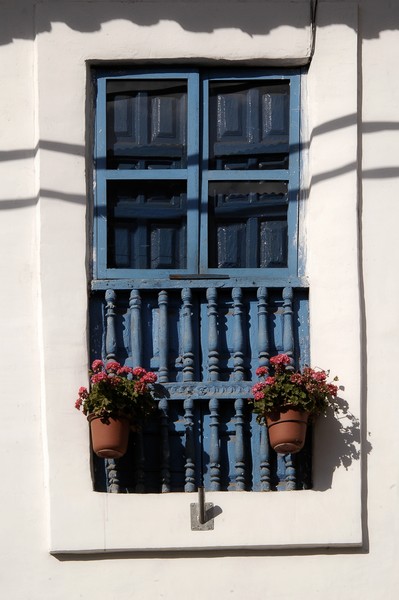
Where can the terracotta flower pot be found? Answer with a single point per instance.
(287, 430)
(109, 438)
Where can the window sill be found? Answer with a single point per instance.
(274, 520)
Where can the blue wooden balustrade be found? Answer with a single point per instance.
(205, 340)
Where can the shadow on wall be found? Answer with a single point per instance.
(191, 16)
(385, 172)
(375, 17)
(345, 442)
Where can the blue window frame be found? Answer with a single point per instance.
(195, 267)
(196, 174)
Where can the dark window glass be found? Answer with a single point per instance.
(249, 125)
(147, 224)
(247, 224)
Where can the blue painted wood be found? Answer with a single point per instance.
(247, 224)
(213, 347)
(147, 224)
(252, 116)
(135, 328)
(206, 334)
(99, 183)
(146, 124)
(239, 341)
(274, 242)
(189, 446)
(294, 177)
(165, 457)
(290, 472)
(179, 467)
(142, 133)
(301, 328)
(239, 445)
(288, 295)
(244, 129)
(263, 334)
(288, 342)
(139, 463)
(264, 457)
(110, 336)
(187, 337)
(281, 484)
(214, 452)
(217, 349)
(248, 123)
(163, 369)
(264, 311)
(149, 175)
(164, 440)
(196, 281)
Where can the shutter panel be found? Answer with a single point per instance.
(146, 124)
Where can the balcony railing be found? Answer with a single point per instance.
(204, 339)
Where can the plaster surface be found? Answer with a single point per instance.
(350, 184)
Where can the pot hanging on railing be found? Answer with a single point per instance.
(286, 399)
(109, 437)
(119, 399)
(287, 430)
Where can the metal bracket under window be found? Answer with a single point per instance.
(201, 519)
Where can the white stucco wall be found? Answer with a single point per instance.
(350, 182)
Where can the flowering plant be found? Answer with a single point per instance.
(116, 390)
(308, 391)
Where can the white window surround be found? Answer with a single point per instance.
(85, 521)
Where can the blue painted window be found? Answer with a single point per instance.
(196, 174)
(195, 265)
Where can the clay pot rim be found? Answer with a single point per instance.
(279, 414)
(134, 426)
(91, 417)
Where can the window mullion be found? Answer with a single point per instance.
(294, 173)
(193, 170)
